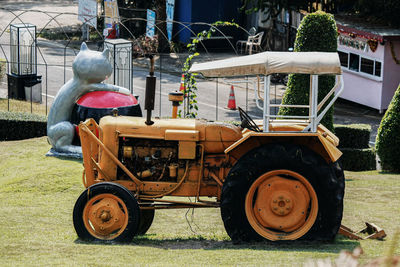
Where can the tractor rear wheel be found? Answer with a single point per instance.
(282, 192)
(106, 212)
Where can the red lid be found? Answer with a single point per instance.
(106, 99)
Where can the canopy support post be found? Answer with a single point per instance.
(266, 111)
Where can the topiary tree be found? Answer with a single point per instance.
(317, 32)
(388, 137)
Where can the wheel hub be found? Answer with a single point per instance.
(282, 205)
(105, 215)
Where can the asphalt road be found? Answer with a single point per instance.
(54, 64)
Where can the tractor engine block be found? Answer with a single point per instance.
(149, 160)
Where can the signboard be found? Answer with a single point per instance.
(170, 17)
(151, 21)
(354, 43)
(111, 13)
(87, 12)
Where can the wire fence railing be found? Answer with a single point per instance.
(54, 60)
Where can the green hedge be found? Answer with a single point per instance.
(354, 143)
(18, 126)
(317, 32)
(354, 159)
(353, 135)
(388, 137)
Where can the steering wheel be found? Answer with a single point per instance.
(247, 122)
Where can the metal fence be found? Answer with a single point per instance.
(54, 63)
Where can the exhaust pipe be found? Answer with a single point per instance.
(150, 92)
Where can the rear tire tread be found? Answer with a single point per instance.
(327, 180)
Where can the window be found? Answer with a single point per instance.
(344, 59)
(378, 67)
(367, 66)
(357, 63)
(354, 62)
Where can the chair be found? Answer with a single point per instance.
(241, 43)
(254, 42)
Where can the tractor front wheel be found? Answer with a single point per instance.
(282, 192)
(106, 212)
(146, 219)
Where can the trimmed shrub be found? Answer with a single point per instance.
(18, 126)
(388, 137)
(353, 135)
(354, 143)
(317, 32)
(354, 159)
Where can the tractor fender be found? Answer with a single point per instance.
(320, 142)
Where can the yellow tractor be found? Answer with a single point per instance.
(275, 179)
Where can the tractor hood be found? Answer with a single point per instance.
(215, 136)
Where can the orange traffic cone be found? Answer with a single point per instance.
(232, 101)
(182, 88)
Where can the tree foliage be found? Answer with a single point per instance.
(386, 11)
(317, 32)
(272, 8)
(388, 137)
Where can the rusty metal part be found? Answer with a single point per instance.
(173, 203)
(84, 129)
(176, 186)
(105, 216)
(175, 97)
(200, 172)
(347, 232)
(145, 174)
(281, 205)
(322, 142)
(373, 231)
(127, 151)
(173, 170)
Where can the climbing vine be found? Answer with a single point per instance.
(190, 92)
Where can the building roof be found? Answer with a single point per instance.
(363, 28)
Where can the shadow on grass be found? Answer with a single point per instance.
(199, 242)
(66, 158)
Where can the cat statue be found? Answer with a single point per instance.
(90, 68)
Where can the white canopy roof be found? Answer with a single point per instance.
(271, 62)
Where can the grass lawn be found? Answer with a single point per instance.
(37, 195)
(22, 106)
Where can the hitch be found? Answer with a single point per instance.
(373, 231)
